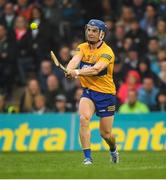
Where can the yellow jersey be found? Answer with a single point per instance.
(103, 82)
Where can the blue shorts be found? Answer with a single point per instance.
(105, 104)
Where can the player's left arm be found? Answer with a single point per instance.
(94, 70)
(103, 62)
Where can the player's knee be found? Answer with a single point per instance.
(84, 120)
(105, 134)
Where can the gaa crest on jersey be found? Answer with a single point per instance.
(111, 108)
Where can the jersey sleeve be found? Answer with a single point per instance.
(78, 50)
(108, 57)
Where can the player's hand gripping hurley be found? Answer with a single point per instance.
(57, 63)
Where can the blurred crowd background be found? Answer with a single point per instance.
(30, 82)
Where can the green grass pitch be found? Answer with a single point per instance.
(69, 165)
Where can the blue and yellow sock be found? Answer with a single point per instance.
(87, 153)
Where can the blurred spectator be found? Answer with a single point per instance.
(68, 86)
(39, 105)
(117, 40)
(133, 105)
(60, 104)
(7, 62)
(77, 97)
(138, 7)
(45, 71)
(41, 38)
(148, 23)
(27, 99)
(23, 8)
(162, 76)
(3, 108)
(2, 4)
(89, 7)
(127, 16)
(162, 9)
(144, 70)
(110, 32)
(132, 59)
(12, 109)
(161, 33)
(161, 55)
(52, 90)
(25, 60)
(71, 92)
(64, 56)
(118, 73)
(52, 13)
(148, 92)
(132, 82)
(161, 102)
(107, 8)
(127, 45)
(139, 36)
(153, 48)
(68, 14)
(8, 16)
(72, 10)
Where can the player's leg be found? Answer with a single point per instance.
(86, 110)
(106, 133)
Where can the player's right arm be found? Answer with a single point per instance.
(74, 62)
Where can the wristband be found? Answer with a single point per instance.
(77, 72)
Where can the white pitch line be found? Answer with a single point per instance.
(142, 168)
